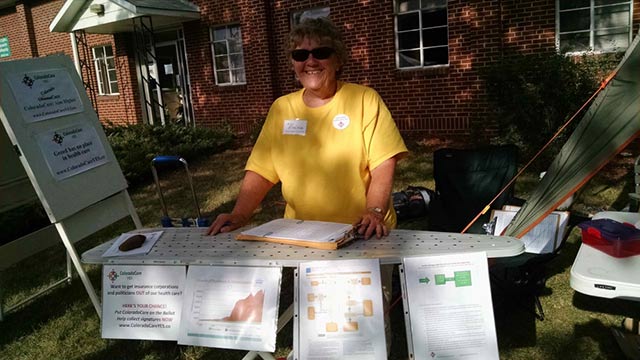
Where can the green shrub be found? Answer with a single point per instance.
(534, 95)
(136, 145)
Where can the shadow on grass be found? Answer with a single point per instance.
(621, 307)
(43, 310)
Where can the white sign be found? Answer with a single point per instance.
(43, 95)
(340, 314)
(231, 307)
(150, 239)
(450, 315)
(72, 150)
(142, 302)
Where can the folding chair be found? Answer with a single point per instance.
(466, 181)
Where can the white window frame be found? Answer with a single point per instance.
(592, 27)
(232, 80)
(103, 71)
(422, 27)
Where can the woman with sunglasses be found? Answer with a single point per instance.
(333, 145)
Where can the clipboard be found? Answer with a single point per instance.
(316, 234)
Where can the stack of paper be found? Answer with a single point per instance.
(544, 238)
(315, 234)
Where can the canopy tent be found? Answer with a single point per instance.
(610, 124)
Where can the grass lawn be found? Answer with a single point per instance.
(63, 323)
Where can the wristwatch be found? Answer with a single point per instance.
(376, 210)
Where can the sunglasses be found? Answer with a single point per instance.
(321, 53)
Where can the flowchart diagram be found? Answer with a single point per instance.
(340, 310)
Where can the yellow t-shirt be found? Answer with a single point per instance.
(323, 156)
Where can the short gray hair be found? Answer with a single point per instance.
(321, 30)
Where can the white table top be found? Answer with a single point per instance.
(596, 273)
(189, 246)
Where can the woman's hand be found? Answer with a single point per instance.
(371, 223)
(225, 223)
(253, 189)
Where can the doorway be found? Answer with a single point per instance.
(173, 77)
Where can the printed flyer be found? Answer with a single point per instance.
(72, 150)
(43, 95)
(340, 311)
(142, 302)
(450, 314)
(231, 307)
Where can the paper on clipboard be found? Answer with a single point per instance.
(316, 234)
(151, 239)
(544, 237)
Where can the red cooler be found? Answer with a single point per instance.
(612, 237)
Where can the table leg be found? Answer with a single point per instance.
(631, 325)
(264, 355)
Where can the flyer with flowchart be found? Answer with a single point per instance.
(339, 311)
(231, 307)
(142, 302)
(449, 314)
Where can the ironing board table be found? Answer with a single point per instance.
(189, 246)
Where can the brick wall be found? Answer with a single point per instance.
(238, 105)
(124, 108)
(46, 42)
(447, 100)
(13, 24)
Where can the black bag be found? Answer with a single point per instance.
(413, 202)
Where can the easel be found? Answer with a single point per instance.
(64, 153)
(16, 191)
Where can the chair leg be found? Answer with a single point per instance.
(539, 311)
(521, 294)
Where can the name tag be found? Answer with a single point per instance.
(295, 127)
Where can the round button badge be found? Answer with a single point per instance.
(341, 121)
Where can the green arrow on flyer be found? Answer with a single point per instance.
(424, 281)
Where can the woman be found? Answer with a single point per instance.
(332, 145)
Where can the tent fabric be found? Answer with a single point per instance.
(610, 124)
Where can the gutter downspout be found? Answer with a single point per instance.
(76, 55)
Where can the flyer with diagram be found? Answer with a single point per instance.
(231, 307)
(448, 306)
(339, 311)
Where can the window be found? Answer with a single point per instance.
(105, 70)
(593, 25)
(422, 33)
(228, 59)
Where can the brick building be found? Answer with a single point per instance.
(223, 62)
